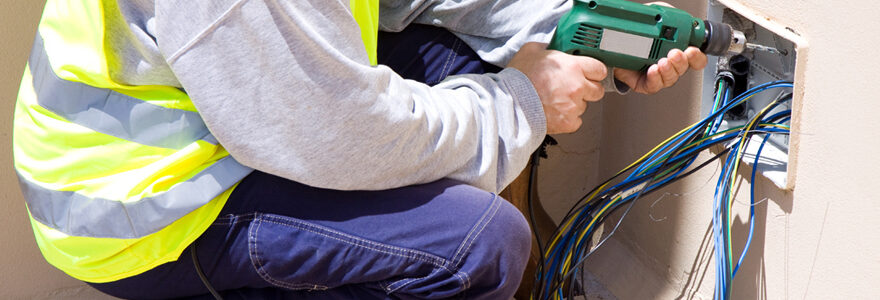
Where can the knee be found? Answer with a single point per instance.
(499, 254)
(509, 234)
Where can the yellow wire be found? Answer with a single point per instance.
(602, 187)
(740, 152)
(717, 134)
(780, 126)
(567, 225)
(584, 232)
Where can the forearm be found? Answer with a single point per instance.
(296, 99)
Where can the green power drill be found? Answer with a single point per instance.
(634, 36)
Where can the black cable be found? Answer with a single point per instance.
(533, 172)
(582, 205)
(648, 177)
(700, 124)
(195, 258)
(641, 179)
(576, 264)
(632, 202)
(688, 173)
(565, 277)
(579, 203)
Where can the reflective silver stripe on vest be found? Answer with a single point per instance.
(110, 112)
(78, 215)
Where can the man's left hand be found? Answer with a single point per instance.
(665, 72)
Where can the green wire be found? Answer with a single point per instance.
(718, 94)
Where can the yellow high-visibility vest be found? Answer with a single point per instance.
(118, 179)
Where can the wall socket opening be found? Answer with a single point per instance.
(752, 68)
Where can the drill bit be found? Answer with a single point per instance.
(765, 48)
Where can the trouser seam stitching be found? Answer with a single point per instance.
(404, 282)
(449, 60)
(490, 214)
(258, 266)
(233, 219)
(406, 253)
(468, 236)
(483, 227)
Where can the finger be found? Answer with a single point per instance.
(593, 69)
(696, 58)
(572, 125)
(667, 73)
(595, 91)
(653, 82)
(630, 77)
(568, 120)
(679, 61)
(574, 101)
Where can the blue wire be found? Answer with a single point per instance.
(719, 225)
(752, 191)
(569, 242)
(779, 114)
(717, 114)
(717, 219)
(752, 207)
(663, 150)
(724, 283)
(725, 194)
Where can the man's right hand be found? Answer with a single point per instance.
(565, 83)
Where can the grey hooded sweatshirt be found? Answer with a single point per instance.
(286, 87)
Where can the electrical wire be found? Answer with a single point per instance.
(198, 267)
(563, 256)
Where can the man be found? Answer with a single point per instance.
(264, 137)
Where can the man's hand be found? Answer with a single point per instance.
(565, 83)
(665, 73)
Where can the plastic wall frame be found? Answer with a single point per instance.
(778, 158)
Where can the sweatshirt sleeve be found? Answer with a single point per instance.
(496, 29)
(287, 89)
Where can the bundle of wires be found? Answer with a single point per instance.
(563, 257)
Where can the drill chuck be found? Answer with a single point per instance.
(721, 39)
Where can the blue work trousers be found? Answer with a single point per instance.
(279, 239)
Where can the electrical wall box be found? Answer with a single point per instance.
(753, 68)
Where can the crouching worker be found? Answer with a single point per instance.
(262, 149)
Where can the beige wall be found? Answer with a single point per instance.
(815, 242)
(23, 272)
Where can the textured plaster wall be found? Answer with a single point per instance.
(815, 242)
(23, 272)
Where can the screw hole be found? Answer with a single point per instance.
(592, 4)
(658, 18)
